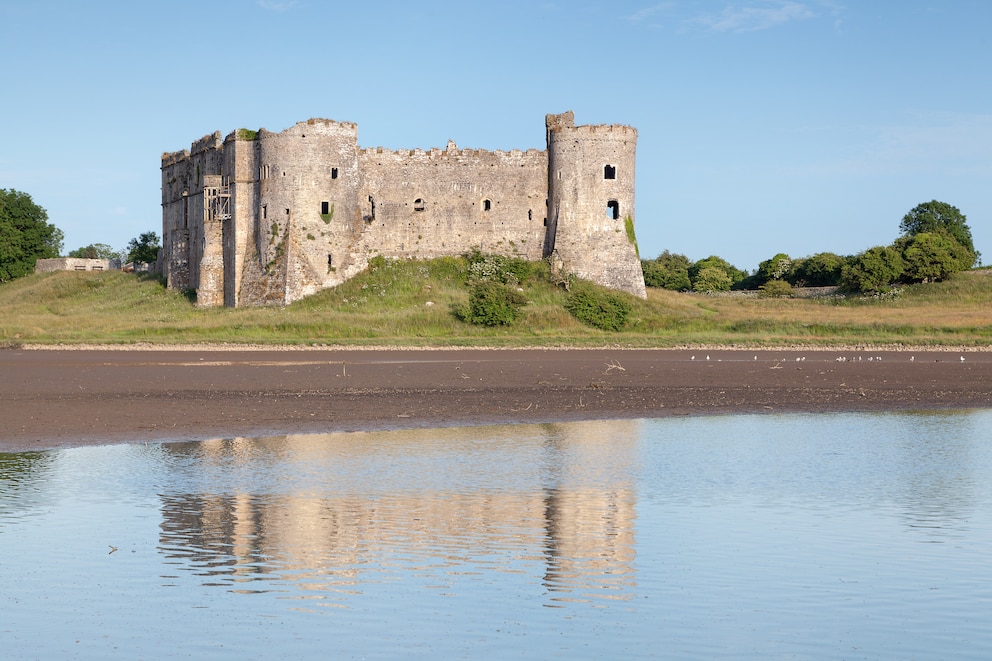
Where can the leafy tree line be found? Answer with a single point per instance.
(144, 248)
(25, 235)
(934, 243)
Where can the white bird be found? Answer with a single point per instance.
(693, 358)
(962, 359)
(708, 357)
(912, 358)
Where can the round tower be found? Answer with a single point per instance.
(308, 178)
(591, 202)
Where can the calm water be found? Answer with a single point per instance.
(827, 536)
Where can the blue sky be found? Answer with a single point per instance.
(765, 126)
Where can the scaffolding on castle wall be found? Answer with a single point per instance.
(217, 203)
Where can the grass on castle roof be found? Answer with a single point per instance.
(389, 305)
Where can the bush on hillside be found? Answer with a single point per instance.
(492, 304)
(775, 289)
(597, 307)
(497, 268)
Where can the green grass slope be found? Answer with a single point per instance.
(412, 303)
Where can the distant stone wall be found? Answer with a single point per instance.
(307, 208)
(71, 264)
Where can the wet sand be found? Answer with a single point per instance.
(66, 398)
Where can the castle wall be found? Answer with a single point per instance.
(432, 203)
(307, 208)
(175, 224)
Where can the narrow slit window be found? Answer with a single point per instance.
(325, 208)
(334, 173)
(613, 210)
(609, 172)
(487, 205)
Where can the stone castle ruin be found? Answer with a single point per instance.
(263, 218)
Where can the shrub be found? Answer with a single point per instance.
(492, 304)
(775, 289)
(597, 307)
(497, 268)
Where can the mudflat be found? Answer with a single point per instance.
(65, 398)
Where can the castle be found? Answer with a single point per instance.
(263, 218)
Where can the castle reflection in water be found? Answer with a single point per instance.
(329, 512)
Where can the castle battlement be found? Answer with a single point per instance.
(206, 143)
(303, 209)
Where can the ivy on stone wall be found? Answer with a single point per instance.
(628, 224)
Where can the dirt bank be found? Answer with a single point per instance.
(70, 398)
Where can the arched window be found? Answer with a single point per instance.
(613, 210)
(487, 205)
(419, 204)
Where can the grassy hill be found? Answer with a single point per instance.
(411, 302)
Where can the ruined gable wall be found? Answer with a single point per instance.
(185, 235)
(175, 231)
(453, 186)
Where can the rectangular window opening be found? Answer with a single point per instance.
(325, 208)
(334, 175)
(613, 210)
(609, 172)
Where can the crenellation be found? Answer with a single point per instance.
(308, 207)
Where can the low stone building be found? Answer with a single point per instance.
(71, 264)
(268, 218)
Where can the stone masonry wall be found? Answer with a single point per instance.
(431, 203)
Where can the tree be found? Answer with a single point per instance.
(933, 256)
(711, 278)
(144, 248)
(734, 274)
(776, 268)
(95, 251)
(821, 270)
(667, 270)
(25, 235)
(933, 216)
(873, 271)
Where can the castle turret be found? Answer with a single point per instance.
(307, 207)
(591, 202)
